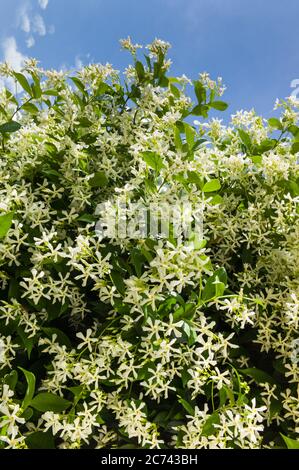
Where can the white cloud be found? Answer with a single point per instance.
(13, 57)
(43, 3)
(51, 29)
(23, 19)
(81, 61)
(30, 41)
(78, 62)
(32, 23)
(11, 54)
(197, 13)
(39, 26)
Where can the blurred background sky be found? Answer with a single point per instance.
(252, 44)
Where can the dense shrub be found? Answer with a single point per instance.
(188, 341)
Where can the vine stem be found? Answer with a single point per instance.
(20, 107)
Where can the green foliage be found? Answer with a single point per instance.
(153, 160)
(211, 186)
(11, 126)
(30, 379)
(22, 80)
(40, 440)
(5, 223)
(215, 285)
(187, 337)
(290, 443)
(99, 180)
(220, 105)
(49, 402)
(275, 123)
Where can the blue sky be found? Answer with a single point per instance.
(252, 44)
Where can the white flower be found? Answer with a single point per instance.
(88, 339)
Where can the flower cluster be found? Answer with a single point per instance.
(188, 342)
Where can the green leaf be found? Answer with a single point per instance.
(13, 290)
(186, 405)
(90, 219)
(208, 428)
(11, 379)
(294, 130)
(23, 82)
(200, 92)
(177, 138)
(163, 82)
(275, 407)
(220, 105)
(245, 138)
(30, 108)
(279, 365)
(5, 223)
(77, 391)
(189, 332)
(290, 443)
(79, 84)
(140, 70)
(197, 240)
(36, 88)
(51, 172)
(198, 143)
(51, 92)
(27, 342)
(27, 414)
(258, 375)
(10, 126)
(295, 147)
(211, 186)
(148, 61)
(47, 401)
(186, 312)
(225, 393)
(3, 110)
(40, 440)
(190, 135)
(100, 420)
(104, 88)
(200, 110)
(222, 397)
(51, 148)
(99, 180)
(219, 287)
(137, 261)
(61, 337)
(153, 160)
(84, 122)
(185, 376)
(266, 145)
(30, 379)
(175, 91)
(195, 178)
(11, 97)
(117, 279)
(215, 285)
(217, 199)
(221, 274)
(275, 123)
(256, 159)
